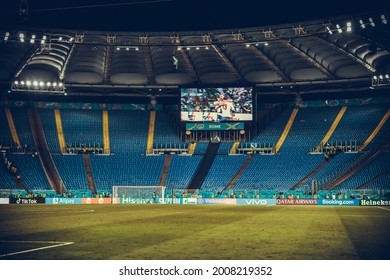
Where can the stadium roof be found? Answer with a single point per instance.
(97, 49)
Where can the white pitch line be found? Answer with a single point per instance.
(56, 244)
(387, 209)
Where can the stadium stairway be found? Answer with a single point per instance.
(152, 120)
(376, 178)
(12, 126)
(322, 143)
(164, 174)
(239, 172)
(362, 163)
(204, 166)
(191, 148)
(311, 174)
(88, 170)
(47, 162)
(375, 131)
(332, 128)
(286, 130)
(60, 131)
(20, 184)
(233, 150)
(106, 134)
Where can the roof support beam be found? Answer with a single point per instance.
(148, 64)
(107, 63)
(28, 57)
(310, 59)
(66, 62)
(188, 65)
(227, 62)
(349, 54)
(270, 63)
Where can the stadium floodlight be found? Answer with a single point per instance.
(54, 84)
(372, 23)
(28, 83)
(16, 82)
(35, 83)
(381, 80)
(339, 30)
(22, 83)
(48, 84)
(349, 26)
(362, 25)
(32, 40)
(175, 39)
(79, 38)
(6, 36)
(206, 38)
(383, 19)
(60, 84)
(21, 37)
(329, 30)
(111, 39)
(41, 84)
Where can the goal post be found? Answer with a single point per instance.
(138, 194)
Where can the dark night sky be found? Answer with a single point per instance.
(176, 15)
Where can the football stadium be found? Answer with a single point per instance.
(264, 142)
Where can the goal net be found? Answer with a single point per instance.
(138, 194)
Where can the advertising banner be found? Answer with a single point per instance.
(64, 200)
(170, 200)
(296, 202)
(256, 201)
(34, 200)
(341, 202)
(4, 200)
(189, 201)
(129, 200)
(215, 126)
(100, 200)
(216, 201)
(374, 202)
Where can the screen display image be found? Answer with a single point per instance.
(216, 104)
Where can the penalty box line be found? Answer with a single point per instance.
(55, 244)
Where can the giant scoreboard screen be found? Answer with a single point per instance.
(228, 104)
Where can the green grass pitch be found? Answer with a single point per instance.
(192, 232)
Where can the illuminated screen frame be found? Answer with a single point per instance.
(216, 104)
